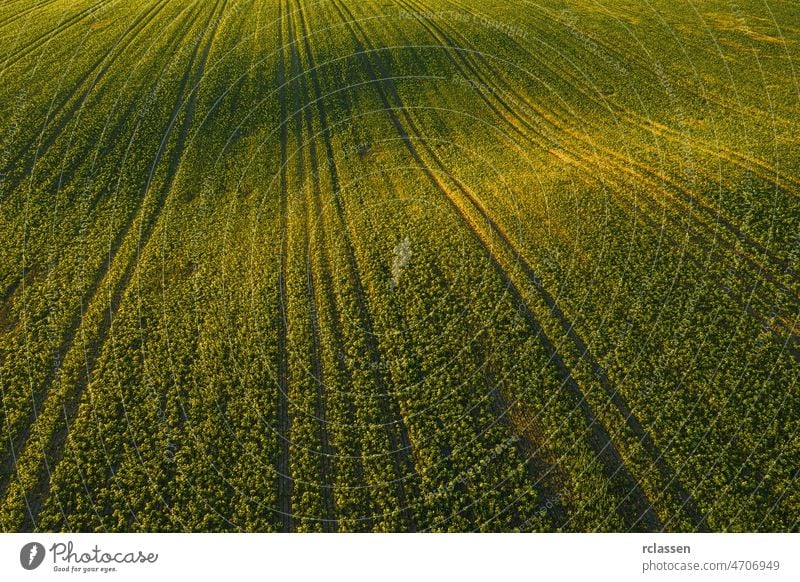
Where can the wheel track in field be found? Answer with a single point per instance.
(761, 294)
(655, 179)
(19, 15)
(72, 329)
(186, 97)
(584, 163)
(315, 210)
(112, 135)
(531, 445)
(390, 407)
(16, 442)
(5, 66)
(624, 161)
(697, 203)
(299, 92)
(10, 58)
(99, 69)
(600, 440)
(496, 402)
(778, 329)
(656, 456)
(740, 159)
(636, 211)
(364, 309)
(397, 415)
(115, 132)
(43, 40)
(283, 466)
(786, 341)
(621, 163)
(400, 322)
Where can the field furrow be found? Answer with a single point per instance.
(399, 266)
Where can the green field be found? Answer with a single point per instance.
(399, 265)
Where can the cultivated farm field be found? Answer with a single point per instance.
(399, 265)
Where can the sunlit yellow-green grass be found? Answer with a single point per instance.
(399, 265)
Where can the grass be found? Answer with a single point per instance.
(300, 265)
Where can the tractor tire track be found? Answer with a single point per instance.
(585, 164)
(646, 69)
(399, 440)
(568, 327)
(741, 160)
(686, 501)
(113, 134)
(600, 441)
(186, 98)
(622, 164)
(283, 466)
(17, 442)
(44, 39)
(73, 328)
(690, 202)
(22, 13)
(655, 180)
(94, 289)
(564, 127)
(128, 36)
(299, 91)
